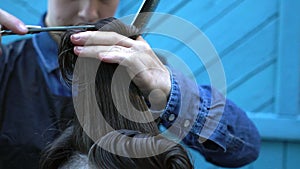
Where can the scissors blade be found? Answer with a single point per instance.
(144, 14)
(37, 29)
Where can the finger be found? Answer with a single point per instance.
(88, 51)
(91, 38)
(10, 22)
(123, 57)
(134, 61)
(97, 51)
(112, 57)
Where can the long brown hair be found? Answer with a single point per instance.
(116, 102)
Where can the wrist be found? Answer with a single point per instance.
(158, 97)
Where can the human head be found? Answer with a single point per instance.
(80, 137)
(102, 153)
(74, 12)
(118, 102)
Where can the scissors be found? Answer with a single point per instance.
(32, 29)
(140, 21)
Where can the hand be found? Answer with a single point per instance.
(8, 21)
(150, 75)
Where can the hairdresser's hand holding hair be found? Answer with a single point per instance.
(149, 73)
(11, 22)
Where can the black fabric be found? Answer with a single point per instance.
(30, 115)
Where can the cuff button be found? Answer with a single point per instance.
(186, 123)
(171, 117)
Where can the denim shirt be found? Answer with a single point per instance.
(198, 115)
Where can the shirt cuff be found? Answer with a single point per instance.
(210, 123)
(194, 113)
(169, 115)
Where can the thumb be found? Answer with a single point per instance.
(9, 21)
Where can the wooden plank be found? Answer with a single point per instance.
(36, 7)
(275, 127)
(132, 6)
(292, 155)
(258, 49)
(200, 13)
(288, 96)
(271, 156)
(227, 45)
(266, 78)
(267, 106)
(240, 21)
(241, 60)
(223, 24)
(255, 91)
(204, 12)
(226, 37)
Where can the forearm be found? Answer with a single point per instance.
(209, 123)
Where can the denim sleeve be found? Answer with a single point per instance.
(210, 123)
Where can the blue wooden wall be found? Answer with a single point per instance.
(258, 42)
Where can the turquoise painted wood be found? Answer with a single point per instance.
(258, 42)
(276, 127)
(292, 154)
(272, 156)
(288, 60)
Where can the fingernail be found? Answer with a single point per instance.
(75, 37)
(78, 48)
